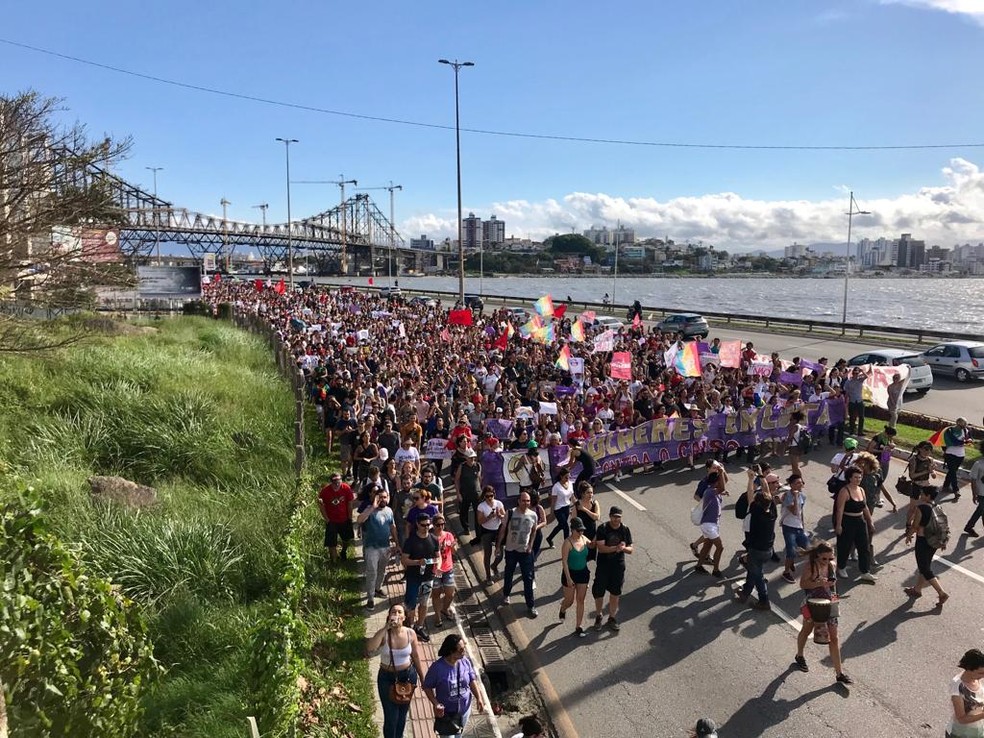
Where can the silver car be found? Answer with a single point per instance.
(961, 359)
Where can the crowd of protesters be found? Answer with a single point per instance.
(387, 376)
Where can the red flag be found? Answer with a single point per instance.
(280, 288)
(501, 341)
(216, 277)
(460, 317)
(559, 311)
(370, 281)
(937, 438)
(258, 283)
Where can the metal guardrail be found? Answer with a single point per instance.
(808, 325)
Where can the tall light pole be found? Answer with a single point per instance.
(225, 230)
(615, 276)
(457, 65)
(157, 225)
(341, 183)
(290, 241)
(851, 212)
(389, 262)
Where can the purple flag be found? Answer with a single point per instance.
(790, 378)
(811, 366)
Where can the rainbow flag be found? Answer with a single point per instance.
(564, 359)
(577, 331)
(544, 335)
(529, 328)
(687, 362)
(509, 330)
(544, 306)
(937, 438)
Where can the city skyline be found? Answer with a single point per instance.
(714, 81)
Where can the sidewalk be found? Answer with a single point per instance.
(421, 721)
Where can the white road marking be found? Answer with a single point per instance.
(972, 574)
(628, 499)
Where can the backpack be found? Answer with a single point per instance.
(805, 441)
(937, 530)
(741, 507)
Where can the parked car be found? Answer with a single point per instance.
(474, 302)
(606, 322)
(518, 314)
(920, 375)
(388, 293)
(961, 359)
(428, 302)
(689, 325)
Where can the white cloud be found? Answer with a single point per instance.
(945, 214)
(971, 8)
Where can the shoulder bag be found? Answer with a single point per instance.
(401, 692)
(903, 484)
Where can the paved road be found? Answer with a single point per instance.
(685, 650)
(948, 398)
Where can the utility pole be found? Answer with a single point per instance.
(851, 212)
(156, 212)
(389, 262)
(290, 242)
(225, 230)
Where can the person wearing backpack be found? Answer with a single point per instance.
(929, 525)
(798, 440)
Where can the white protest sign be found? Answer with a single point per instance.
(577, 370)
(548, 408)
(604, 342)
(879, 377)
(437, 448)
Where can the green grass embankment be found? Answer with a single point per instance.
(194, 408)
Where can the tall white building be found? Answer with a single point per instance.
(493, 232)
(606, 236)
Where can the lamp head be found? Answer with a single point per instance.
(443, 61)
(468, 64)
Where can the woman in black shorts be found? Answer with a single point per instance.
(576, 575)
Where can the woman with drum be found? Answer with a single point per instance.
(819, 582)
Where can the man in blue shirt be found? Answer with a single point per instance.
(378, 534)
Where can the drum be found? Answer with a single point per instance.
(821, 610)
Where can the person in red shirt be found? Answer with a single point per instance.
(335, 501)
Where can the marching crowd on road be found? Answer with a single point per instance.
(388, 378)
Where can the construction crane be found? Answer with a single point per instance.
(391, 188)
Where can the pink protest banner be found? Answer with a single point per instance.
(730, 354)
(621, 367)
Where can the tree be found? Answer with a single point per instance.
(571, 244)
(54, 182)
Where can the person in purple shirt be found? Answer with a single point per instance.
(451, 684)
(710, 529)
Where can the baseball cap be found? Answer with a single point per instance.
(615, 510)
(850, 444)
(470, 452)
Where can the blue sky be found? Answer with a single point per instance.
(772, 72)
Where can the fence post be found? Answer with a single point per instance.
(298, 460)
(254, 730)
(298, 433)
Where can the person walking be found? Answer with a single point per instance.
(561, 497)
(881, 446)
(442, 595)
(612, 541)
(895, 390)
(467, 487)
(491, 512)
(453, 688)
(921, 473)
(336, 501)
(399, 660)
(576, 576)
(797, 428)
(710, 527)
(587, 509)
(793, 524)
(577, 453)
(379, 539)
(967, 697)
(516, 538)
(977, 494)
(955, 439)
(759, 542)
(853, 526)
(919, 519)
(818, 581)
(418, 558)
(531, 727)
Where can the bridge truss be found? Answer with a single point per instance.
(355, 230)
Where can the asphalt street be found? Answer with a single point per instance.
(685, 650)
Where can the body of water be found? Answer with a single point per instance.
(955, 305)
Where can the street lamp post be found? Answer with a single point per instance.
(225, 231)
(290, 241)
(389, 262)
(851, 212)
(157, 225)
(341, 183)
(457, 65)
(615, 276)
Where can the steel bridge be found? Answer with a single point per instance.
(338, 240)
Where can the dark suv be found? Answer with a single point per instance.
(474, 302)
(689, 325)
